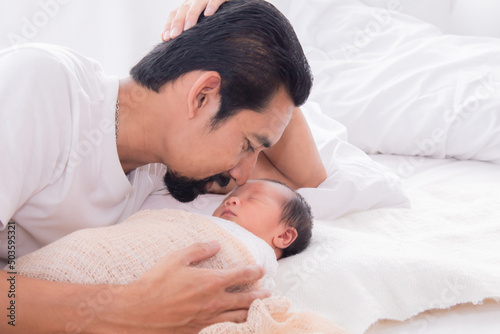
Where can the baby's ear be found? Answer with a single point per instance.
(286, 238)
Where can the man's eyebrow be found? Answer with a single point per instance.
(263, 140)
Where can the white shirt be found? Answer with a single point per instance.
(60, 170)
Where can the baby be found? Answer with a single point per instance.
(258, 213)
(272, 211)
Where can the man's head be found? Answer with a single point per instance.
(243, 61)
(272, 211)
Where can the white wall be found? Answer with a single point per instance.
(115, 32)
(119, 32)
(462, 17)
(475, 17)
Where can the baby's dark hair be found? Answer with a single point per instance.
(297, 214)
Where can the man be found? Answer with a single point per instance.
(84, 150)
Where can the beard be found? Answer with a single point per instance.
(186, 189)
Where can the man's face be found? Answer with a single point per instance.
(229, 151)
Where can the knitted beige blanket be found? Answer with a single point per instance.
(121, 253)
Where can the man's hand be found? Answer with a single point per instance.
(173, 297)
(186, 15)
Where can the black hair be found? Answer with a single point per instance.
(297, 214)
(249, 43)
(186, 189)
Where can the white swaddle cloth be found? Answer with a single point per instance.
(262, 253)
(121, 253)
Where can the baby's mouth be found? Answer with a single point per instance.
(228, 212)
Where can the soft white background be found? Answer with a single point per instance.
(119, 32)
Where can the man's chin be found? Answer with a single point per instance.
(186, 189)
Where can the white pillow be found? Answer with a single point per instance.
(398, 84)
(354, 181)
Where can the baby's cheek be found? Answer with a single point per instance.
(217, 212)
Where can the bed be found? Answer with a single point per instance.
(394, 102)
(407, 120)
(403, 115)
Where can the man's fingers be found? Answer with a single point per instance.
(197, 252)
(166, 31)
(212, 6)
(186, 16)
(243, 300)
(235, 305)
(243, 275)
(193, 14)
(178, 22)
(237, 316)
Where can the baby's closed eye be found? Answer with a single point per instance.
(256, 199)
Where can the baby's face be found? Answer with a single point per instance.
(256, 206)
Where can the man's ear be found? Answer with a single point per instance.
(204, 93)
(286, 238)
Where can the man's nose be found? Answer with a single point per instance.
(241, 172)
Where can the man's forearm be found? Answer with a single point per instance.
(38, 306)
(171, 297)
(296, 156)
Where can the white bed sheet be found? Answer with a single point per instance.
(465, 318)
(415, 171)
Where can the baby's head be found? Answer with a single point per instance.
(272, 211)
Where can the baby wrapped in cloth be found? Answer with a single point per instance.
(121, 253)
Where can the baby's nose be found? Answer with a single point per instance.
(232, 201)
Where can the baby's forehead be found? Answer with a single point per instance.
(256, 186)
(268, 188)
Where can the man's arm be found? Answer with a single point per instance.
(171, 297)
(295, 156)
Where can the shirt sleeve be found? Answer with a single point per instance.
(33, 101)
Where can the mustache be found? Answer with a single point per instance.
(186, 189)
